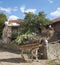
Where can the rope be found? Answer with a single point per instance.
(54, 41)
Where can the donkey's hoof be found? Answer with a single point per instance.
(32, 60)
(37, 61)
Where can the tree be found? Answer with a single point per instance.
(28, 25)
(3, 18)
(34, 23)
(32, 26)
(41, 20)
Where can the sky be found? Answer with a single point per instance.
(14, 9)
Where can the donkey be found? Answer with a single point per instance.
(34, 47)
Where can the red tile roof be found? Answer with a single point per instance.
(19, 21)
(56, 20)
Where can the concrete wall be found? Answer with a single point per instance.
(53, 51)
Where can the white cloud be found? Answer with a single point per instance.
(23, 9)
(50, 1)
(13, 17)
(30, 10)
(15, 8)
(8, 10)
(56, 13)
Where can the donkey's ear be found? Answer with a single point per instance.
(50, 32)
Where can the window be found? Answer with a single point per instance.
(14, 33)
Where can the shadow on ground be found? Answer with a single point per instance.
(13, 60)
(9, 48)
(16, 51)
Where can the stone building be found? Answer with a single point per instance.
(56, 25)
(11, 30)
(53, 49)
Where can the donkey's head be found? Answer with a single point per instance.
(48, 33)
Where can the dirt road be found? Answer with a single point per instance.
(9, 57)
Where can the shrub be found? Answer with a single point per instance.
(22, 39)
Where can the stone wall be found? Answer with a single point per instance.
(6, 35)
(53, 51)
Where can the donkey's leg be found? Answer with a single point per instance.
(32, 55)
(22, 55)
(36, 54)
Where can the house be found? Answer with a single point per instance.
(53, 50)
(11, 30)
(56, 25)
(53, 46)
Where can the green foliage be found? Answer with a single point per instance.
(28, 37)
(41, 20)
(28, 24)
(34, 23)
(3, 18)
(52, 63)
(14, 33)
(1, 45)
(21, 39)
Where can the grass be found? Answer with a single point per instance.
(52, 62)
(1, 45)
